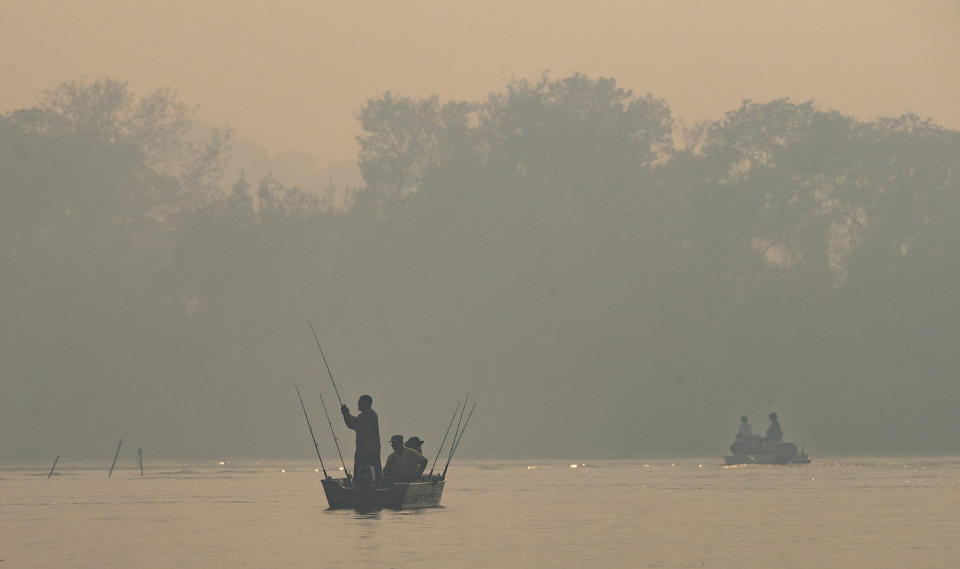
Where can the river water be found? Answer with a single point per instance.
(852, 512)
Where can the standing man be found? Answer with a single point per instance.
(367, 426)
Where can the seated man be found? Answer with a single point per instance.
(774, 432)
(415, 443)
(404, 464)
(744, 440)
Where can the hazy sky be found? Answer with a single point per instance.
(290, 74)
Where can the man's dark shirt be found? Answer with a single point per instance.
(367, 426)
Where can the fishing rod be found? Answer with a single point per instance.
(457, 430)
(436, 458)
(457, 444)
(336, 441)
(330, 373)
(463, 411)
(305, 416)
(322, 402)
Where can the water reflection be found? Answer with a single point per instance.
(367, 514)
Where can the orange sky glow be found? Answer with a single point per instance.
(290, 75)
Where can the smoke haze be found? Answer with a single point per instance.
(619, 229)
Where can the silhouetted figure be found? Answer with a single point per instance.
(746, 430)
(404, 464)
(774, 432)
(415, 443)
(744, 440)
(367, 426)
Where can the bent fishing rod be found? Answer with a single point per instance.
(456, 444)
(307, 417)
(436, 458)
(325, 412)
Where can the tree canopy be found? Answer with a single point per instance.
(605, 278)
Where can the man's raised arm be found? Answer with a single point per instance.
(349, 419)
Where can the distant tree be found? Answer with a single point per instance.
(92, 178)
(92, 151)
(564, 206)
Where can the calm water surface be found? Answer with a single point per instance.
(856, 512)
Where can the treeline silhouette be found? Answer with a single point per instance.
(606, 279)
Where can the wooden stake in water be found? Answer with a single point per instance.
(109, 474)
(54, 466)
(140, 460)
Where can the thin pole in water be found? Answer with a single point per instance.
(109, 474)
(140, 460)
(436, 458)
(305, 416)
(55, 461)
(322, 402)
(456, 444)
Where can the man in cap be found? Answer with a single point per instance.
(367, 425)
(405, 464)
(415, 443)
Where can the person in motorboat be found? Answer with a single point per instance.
(367, 425)
(405, 464)
(774, 432)
(744, 439)
(746, 430)
(415, 443)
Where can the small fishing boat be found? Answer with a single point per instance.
(360, 492)
(770, 449)
(396, 496)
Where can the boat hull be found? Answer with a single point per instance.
(397, 496)
(733, 459)
(767, 453)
